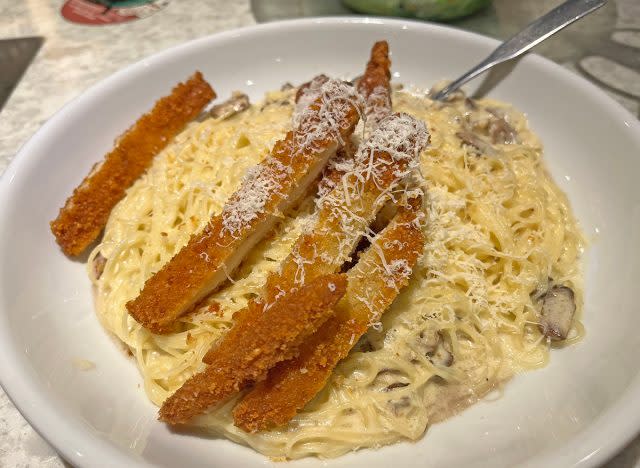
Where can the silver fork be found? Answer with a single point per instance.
(536, 32)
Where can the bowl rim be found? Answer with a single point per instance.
(621, 421)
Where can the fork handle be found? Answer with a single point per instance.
(536, 32)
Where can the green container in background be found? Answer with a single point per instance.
(437, 10)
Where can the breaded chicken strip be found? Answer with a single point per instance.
(261, 337)
(85, 213)
(374, 282)
(374, 85)
(267, 190)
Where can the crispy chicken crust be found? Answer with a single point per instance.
(291, 384)
(262, 336)
(326, 247)
(211, 255)
(86, 211)
(378, 71)
(374, 282)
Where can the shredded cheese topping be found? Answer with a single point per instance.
(324, 111)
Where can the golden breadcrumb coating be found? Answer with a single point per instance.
(263, 335)
(87, 210)
(374, 282)
(326, 246)
(208, 258)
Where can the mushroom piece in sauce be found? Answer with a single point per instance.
(99, 261)
(388, 380)
(401, 406)
(470, 104)
(435, 348)
(499, 129)
(442, 356)
(558, 309)
(236, 103)
(473, 140)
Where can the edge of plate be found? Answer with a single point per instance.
(19, 387)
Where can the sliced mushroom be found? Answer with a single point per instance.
(236, 103)
(435, 348)
(558, 309)
(427, 341)
(286, 87)
(99, 261)
(470, 104)
(454, 96)
(396, 385)
(442, 356)
(401, 406)
(316, 82)
(499, 129)
(473, 140)
(389, 379)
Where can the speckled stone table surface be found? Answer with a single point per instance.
(73, 58)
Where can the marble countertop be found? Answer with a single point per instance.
(73, 58)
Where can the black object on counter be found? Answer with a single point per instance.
(15, 57)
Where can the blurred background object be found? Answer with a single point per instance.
(15, 57)
(437, 10)
(105, 12)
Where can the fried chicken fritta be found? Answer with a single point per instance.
(374, 282)
(85, 213)
(267, 190)
(304, 323)
(292, 384)
(374, 85)
(263, 335)
(354, 191)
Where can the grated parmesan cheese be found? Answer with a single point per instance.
(321, 116)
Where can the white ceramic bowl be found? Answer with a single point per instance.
(577, 411)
